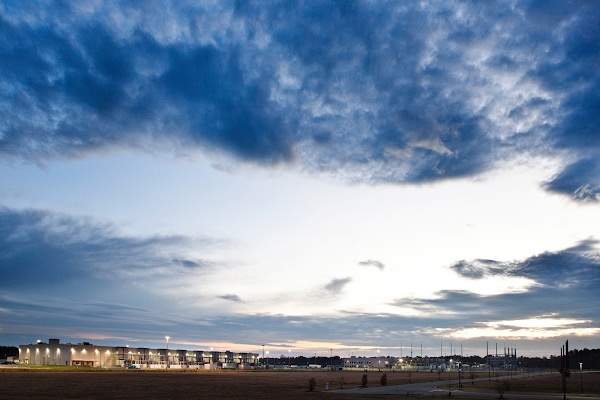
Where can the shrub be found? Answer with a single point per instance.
(383, 380)
(312, 383)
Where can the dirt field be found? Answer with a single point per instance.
(542, 384)
(99, 384)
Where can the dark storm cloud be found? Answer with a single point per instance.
(43, 249)
(376, 92)
(580, 180)
(337, 285)
(374, 263)
(576, 266)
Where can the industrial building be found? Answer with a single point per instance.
(369, 362)
(89, 355)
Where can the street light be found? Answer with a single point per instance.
(289, 358)
(331, 358)
(378, 361)
(167, 337)
(267, 359)
(581, 376)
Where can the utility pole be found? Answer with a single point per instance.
(487, 358)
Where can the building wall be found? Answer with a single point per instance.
(87, 354)
(55, 353)
(368, 362)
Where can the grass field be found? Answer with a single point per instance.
(63, 383)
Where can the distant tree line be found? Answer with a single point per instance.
(301, 360)
(8, 351)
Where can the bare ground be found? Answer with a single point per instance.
(288, 385)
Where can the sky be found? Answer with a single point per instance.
(315, 177)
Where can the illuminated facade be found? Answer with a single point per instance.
(89, 355)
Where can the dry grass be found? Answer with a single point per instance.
(288, 385)
(547, 384)
(100, 384)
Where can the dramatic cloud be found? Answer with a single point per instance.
(374, 263)
(580, 180)
(395, 95)
(573, 267)
(41, 249)
(556, 276)
(376, 92)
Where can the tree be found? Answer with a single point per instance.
(383, 380)
(312, 383)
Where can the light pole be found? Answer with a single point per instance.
(267, 359)
(378, 361)
(167, 337)
(581, 376)
(289, 358)
(331, 358)
(263, 352)
(459, 369)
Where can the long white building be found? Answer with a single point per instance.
(87, 354)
